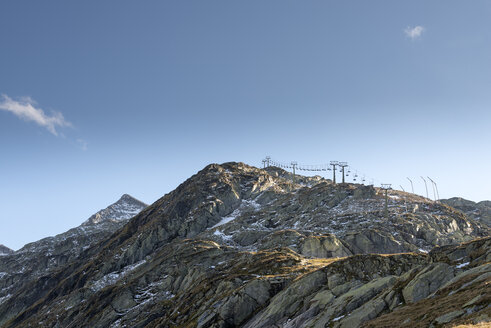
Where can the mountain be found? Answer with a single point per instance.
(41, 257)
(4, 250)
(238, 246)
(124, 209)
(478, 211)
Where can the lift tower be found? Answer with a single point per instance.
(386, 187)
(342, 165)
(294, 165)
(334, 164)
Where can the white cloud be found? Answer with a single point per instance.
(24, 108)
(414, 32)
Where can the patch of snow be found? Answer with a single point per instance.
(3, 274)
(113, 277)
(422, 250)
(227, 219)
(4, 298)
(116, 324)
(338, 318)
(251, 203)
(222, 235)
(462, 265)
(245, 205)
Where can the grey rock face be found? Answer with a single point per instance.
(428, 281)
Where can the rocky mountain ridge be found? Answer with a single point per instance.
(39, 258)
(480, 211)
(238, 246)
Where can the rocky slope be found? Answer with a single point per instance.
(4, 250)
(39, 258)
(237, 246)
(480, 211)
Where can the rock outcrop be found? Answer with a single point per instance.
(459, 294)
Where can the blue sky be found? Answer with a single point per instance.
(105, 98)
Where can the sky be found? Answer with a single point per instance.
(102, 98)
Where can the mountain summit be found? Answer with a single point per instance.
(125, 208)
(239, 246)
(4, 250)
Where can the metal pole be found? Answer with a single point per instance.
(334, 164)
(386, 204)
(405, 203)
(433, 185)
(294, 164)
(426, 186)
(386, 187)
(342, 165)
(412, 188)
